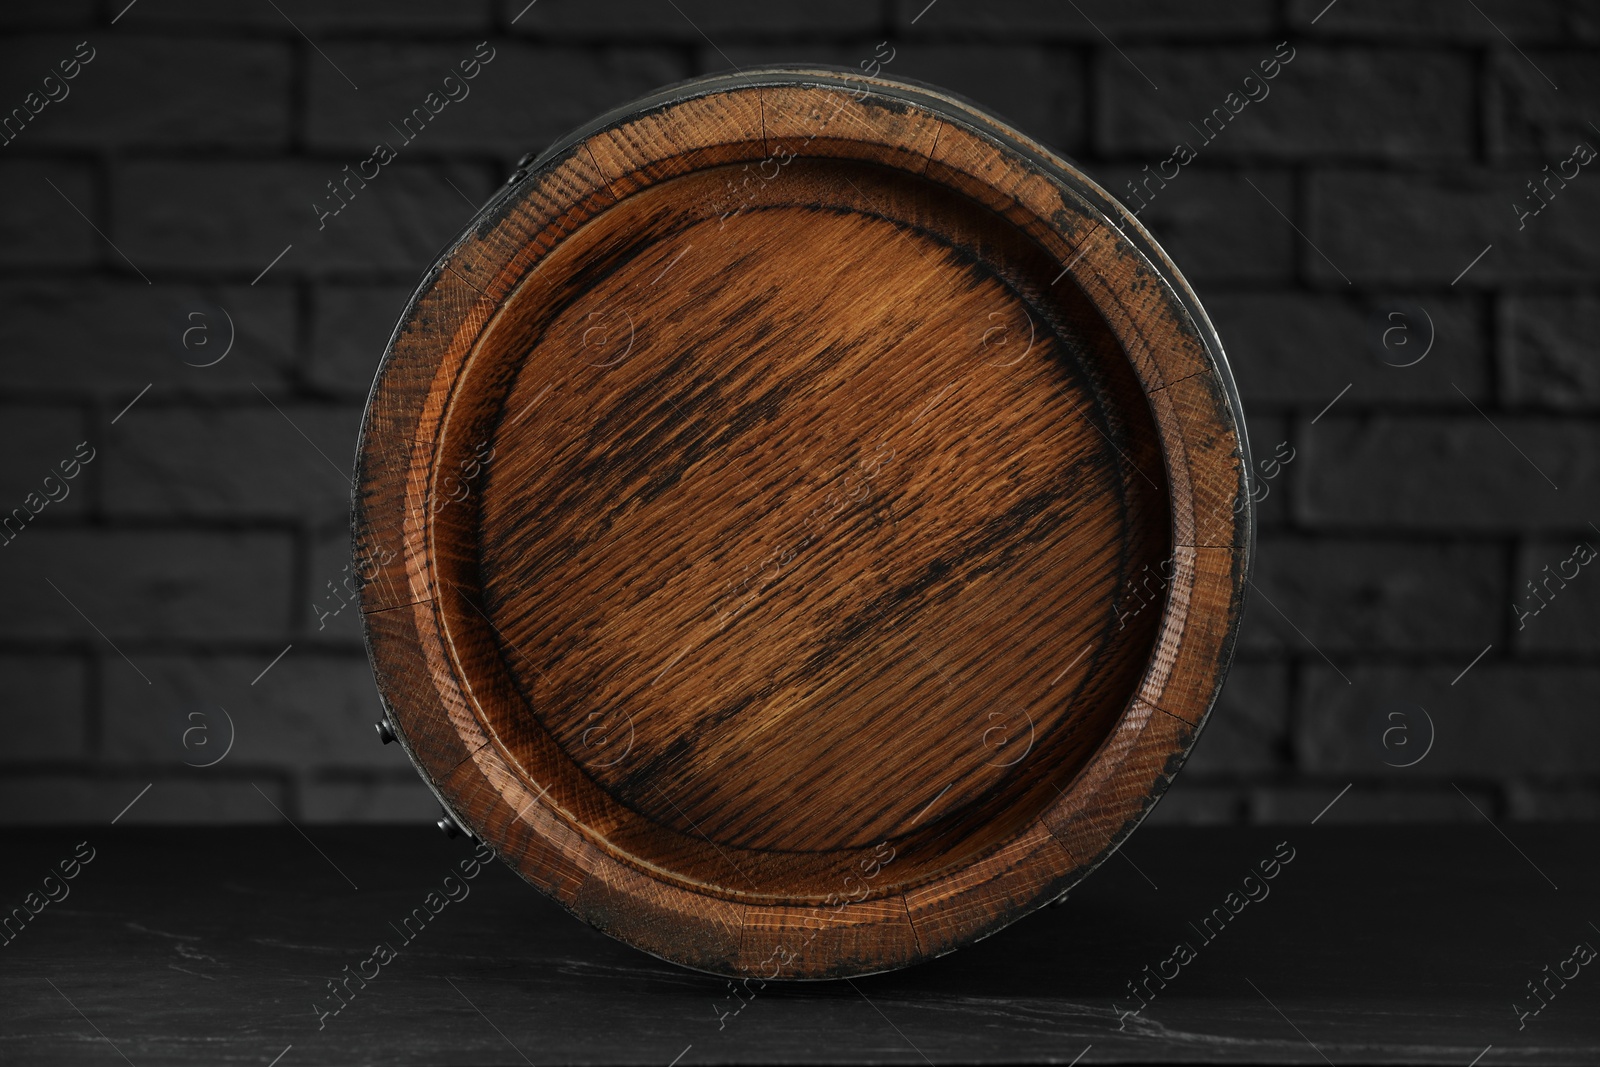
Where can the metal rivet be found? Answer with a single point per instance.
(449, 827)
(385, 731)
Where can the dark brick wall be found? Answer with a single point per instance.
(188, 553)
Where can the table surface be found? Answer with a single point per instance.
(215, 945)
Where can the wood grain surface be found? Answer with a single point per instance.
(804, 524)
(208, 946)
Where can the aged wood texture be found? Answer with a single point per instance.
(804, 524)
(1378, 944)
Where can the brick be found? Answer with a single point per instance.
(1448, 473)
(146, 91)
(49, 693)
(1303, 349)
(1268, 435)
(1532, 802)
(38, 226)
(1529, 120)
(1367, 803)
(1036, 89)
(124, 335)
(1389, 20)
(350, 328)
(35, 440)
(365, 16)
(693, 21)
(404, 801)
(63, 799)
(714, 59)
(1023, 18)
(201, 607)
(1296, 118)
(1561, 614)
(1371, 595)
(1548, 345)
(1410, 228)
(318, 611)
(1189, 803)
(48, 13)
(1214, 225)
(202, 216)
(572, 87)
(232, 461)
(1248, 731)
(1501, 719)
(310, 710)
(148, 585)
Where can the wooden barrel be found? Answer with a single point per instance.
(803, 524)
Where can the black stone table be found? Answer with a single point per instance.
(216, 945)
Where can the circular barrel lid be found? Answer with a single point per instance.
(803, 524)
